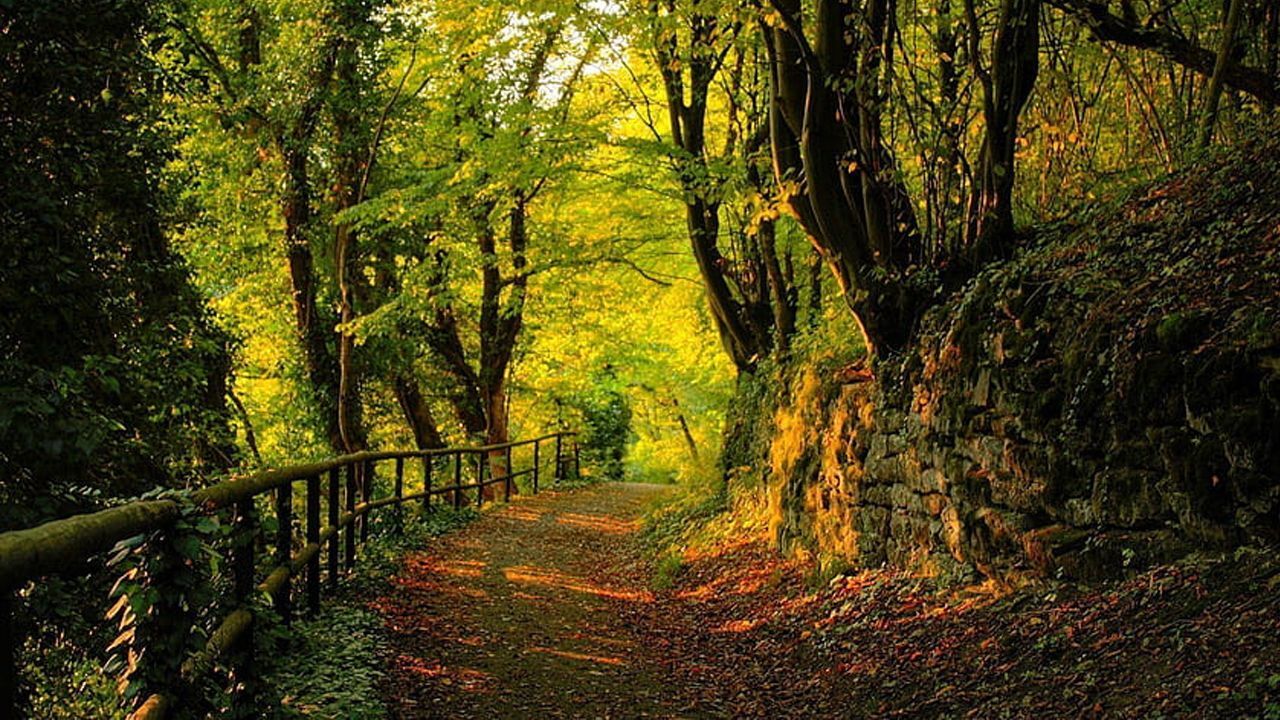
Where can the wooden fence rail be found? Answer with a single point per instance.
(54, 547)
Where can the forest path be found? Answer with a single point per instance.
(523, 613)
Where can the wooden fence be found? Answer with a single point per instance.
(336, 523)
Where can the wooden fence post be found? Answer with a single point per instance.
(457, 480)
(351, 508)
(243, 537)
(164, 632)
(313, 538)
(480, 463)
(366, 494)
(559, 471)
(536, 463)
(427, 462)
(399, 491)
(334, 509)
(506, 486)
(577, 460)
(281, 600)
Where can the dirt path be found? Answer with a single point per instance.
(523, 614)
(542, 609)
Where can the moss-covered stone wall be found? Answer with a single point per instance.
(1109, 398)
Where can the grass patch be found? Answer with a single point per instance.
(666, 571)
(673, 523)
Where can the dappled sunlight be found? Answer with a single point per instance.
(513, 619)
(600, 523)
(468, 679)
(526, 514)
(527, 574)
(738, 626)
(459, 568)
(531, 597)
(747, 582)
(585, 657)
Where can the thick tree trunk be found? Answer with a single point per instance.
(1005, 91)
(852, 204)
(493, 353)
(417, 413)
(445, 343)
(501, 319)
(313, 330)
(783, 297)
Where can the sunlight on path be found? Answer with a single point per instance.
(520, 614)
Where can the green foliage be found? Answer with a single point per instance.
(337, 659)
(669, 527)
(667, 571)
(163, 596)
(112, 372)
(606, 428)
(63, 684)
(334, 666)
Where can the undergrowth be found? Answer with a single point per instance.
(701, 520)
(335, 661)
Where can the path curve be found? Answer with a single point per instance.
(523, 613)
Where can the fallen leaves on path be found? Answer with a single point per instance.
(744, 638)
(512, 616)
(544, 609)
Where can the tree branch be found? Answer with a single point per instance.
(1113, 28)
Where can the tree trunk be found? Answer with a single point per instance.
(1005, 91)
(445, 343)
(353, 143)
(684, 429)
(417, 413)
(1213, 95)
(828, 138)
(313, 331)
(815, 289)
(745, 338)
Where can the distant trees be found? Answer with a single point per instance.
(497, 121)
(371, 188)
(405, 164)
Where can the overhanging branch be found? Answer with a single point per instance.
(1114, 28)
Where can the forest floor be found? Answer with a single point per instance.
(519, 614)
(553, 607)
